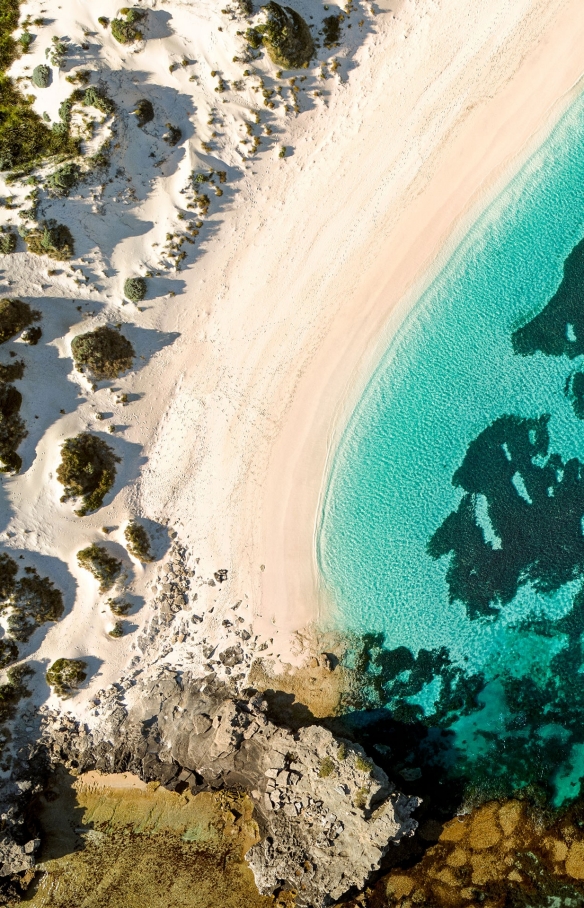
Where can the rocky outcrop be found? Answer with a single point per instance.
(326, 812)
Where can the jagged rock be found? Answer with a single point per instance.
(325, 809)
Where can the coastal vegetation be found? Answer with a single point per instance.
(62, 181)
(42, 76)
(51, 239)
(35, 600)
(15, 316)
(8, 241)
(30, 600)
(144, 112)
(65, 676)
(125, 29)
(87, 470)
(12, 428)
(104, 353)
(285, 35)
(104, 567)
(135, 289)
(138, 541)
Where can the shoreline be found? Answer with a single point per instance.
(439, 216)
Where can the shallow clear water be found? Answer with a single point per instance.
(453, 520)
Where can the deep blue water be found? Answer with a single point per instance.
(453, 523)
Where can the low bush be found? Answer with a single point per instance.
(8, 572)
(12, 691)
(31, 336)
(35, 601)
(12, 428)
(105, 568)
(105, 353)
(11, 372)
(119, 606)
(103, 21)
(52, 239)
(124, 30)
(287, 37)
(117, 630)
(144, 112)
(42, 76)
(8, 652)
(8, 241)
(362, 764)
(138, 541)
(327, 768)
(94, 97)
(135, 289)
(15, 316)
(173, 136)
(331, 27)
(62, 181)
(87, 470)
(65, 676)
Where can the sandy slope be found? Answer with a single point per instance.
(249, 373)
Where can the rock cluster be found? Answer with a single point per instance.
(326, 812)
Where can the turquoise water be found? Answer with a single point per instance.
(452, 527)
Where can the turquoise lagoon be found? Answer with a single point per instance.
(452, 530)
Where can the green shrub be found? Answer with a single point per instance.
(65, 675)
(135, 289)
(8, 572)
(105, 353)
(282, 152)
(8, 652)
(13, 690)
(31, 336)
(94, 97)
(9, 16)
(25, 40)
(15, 316)
(87, 470)
(138, 541)
(105, 568)
(103, 21)
(124, 30)
(62, 181)
(8, 241)
(11, 372)
(331, 27)
(42, 76)
(52, 239)
(327, 768)
(117, 630)
(286, 37)
(362, 764)
(119, 606)
(144, 112)
(255, 37)
(12, 428)
(35, 600)
(173, 136)
(360, 797)
(342, 752)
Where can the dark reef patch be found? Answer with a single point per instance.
(534, 504)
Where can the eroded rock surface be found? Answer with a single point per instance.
(327, 814)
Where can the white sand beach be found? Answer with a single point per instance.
(274, 329)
